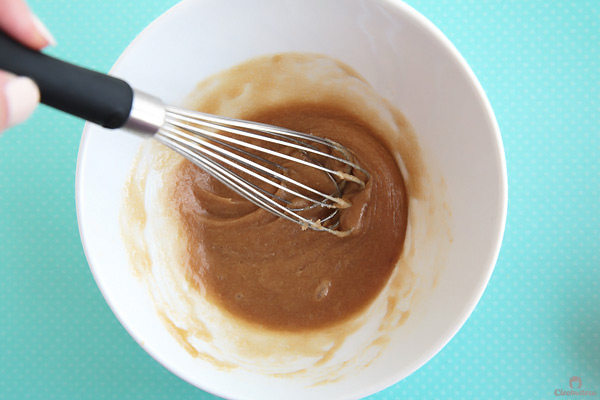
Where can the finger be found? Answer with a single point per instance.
(19, 22)
(18, 98)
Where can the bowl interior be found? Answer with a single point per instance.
(409, 62)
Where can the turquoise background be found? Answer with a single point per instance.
(537, 324)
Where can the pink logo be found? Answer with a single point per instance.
(575, 380)
(575, 383)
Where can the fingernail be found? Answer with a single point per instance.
(22, 97)
(42, 30)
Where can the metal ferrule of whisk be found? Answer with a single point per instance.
(240, 155)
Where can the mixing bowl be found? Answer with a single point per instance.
(455, 230)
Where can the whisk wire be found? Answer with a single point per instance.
(249, 167)
(221, 147)
(176, 115)
(252, 192)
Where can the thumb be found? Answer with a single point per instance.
(18, 98)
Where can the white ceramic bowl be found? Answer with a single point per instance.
(408, 61)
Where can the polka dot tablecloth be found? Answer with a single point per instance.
(536, 326)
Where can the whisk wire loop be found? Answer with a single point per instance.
(235, 152)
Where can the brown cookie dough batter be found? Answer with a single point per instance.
(269, 271)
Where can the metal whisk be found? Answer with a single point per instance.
(255, 160)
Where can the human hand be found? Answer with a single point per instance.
(19, 95)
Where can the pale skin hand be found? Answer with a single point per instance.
(19, 96)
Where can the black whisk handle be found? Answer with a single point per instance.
(95, 97)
